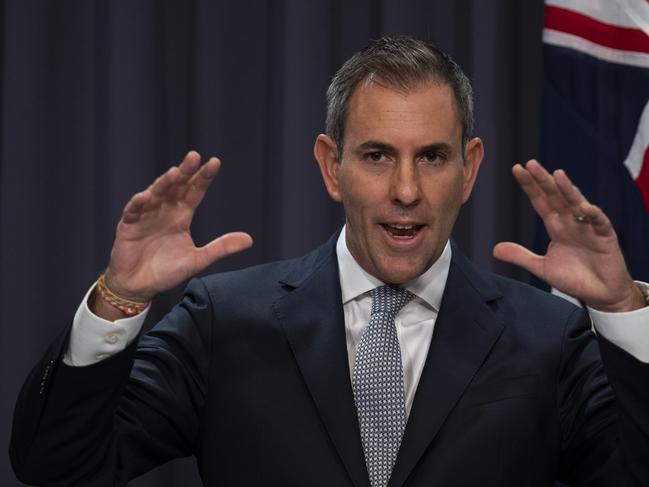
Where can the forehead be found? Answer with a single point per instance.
(378, 111)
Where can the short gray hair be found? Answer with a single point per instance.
(402, 62)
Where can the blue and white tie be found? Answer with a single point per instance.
(378, 384)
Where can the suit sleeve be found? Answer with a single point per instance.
(108, 422)
(629, 378)
(603, 409)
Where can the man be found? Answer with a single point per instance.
(384, 356)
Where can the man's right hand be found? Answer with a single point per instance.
(153, 249)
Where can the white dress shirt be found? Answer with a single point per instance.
(415, 321)
(92, 338)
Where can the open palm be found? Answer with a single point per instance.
(153, 249)
(583, 258)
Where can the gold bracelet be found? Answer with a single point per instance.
(126, 306)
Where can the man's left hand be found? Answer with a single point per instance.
(583, 258)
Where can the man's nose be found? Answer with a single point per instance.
(405, 185)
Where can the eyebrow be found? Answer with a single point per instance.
(382, 146)
(375, 145)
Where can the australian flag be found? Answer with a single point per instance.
(595, 112)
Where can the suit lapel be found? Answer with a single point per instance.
(313, 321)
(311, 314)
(466, 329)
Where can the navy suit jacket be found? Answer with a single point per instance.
(249, 373)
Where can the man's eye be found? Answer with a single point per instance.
(432, 157)
(375, 156)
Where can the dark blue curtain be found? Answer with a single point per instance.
(99, 97)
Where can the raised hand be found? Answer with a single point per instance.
(583, 258)
(153, 249)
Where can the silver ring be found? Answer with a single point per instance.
(580, 218)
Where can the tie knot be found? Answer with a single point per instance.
(390, 299)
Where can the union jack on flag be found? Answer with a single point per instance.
(595, 113)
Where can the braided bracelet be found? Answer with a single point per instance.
(126, 306)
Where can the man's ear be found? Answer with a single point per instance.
(473, 154)
(326, 153)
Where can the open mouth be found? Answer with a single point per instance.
(402, 232)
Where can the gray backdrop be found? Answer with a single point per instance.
(98, 97)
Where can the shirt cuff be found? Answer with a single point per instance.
(93, 339)
(629, 331)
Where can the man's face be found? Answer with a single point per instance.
(402, 177)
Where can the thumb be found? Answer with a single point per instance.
(518, 255)
(221, 247)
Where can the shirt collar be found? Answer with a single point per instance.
(355, 281)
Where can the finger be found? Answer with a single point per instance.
(161, 187)
(548, 185)
(172, 185)
(221, 247)
(570, 192)
(518, 255)
(135, 207)
(200, 182)
(536, 196)
(597, 219)
(189, 166)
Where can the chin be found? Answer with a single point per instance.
(402, 273)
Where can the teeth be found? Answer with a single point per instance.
(403, 227)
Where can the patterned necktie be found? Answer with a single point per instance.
(378, 384)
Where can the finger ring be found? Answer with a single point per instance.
(580, 218)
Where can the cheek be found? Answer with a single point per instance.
(445, 199)
(359, 195)
(454, 187)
